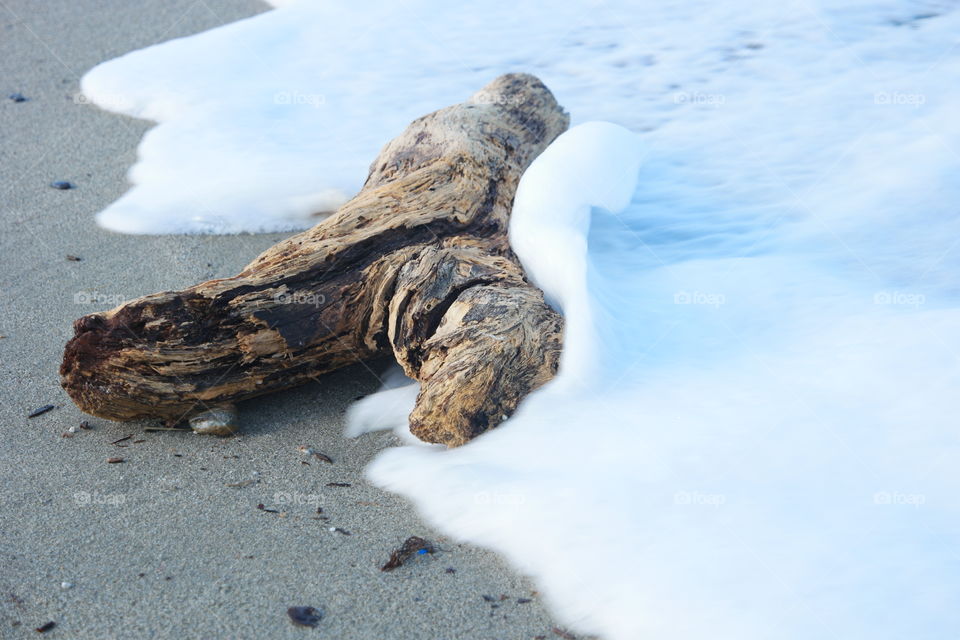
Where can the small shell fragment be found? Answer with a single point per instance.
(310, 451)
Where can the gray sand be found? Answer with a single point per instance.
(160, 546)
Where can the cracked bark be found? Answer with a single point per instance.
(416, 265)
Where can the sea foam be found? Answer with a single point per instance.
(739, 447)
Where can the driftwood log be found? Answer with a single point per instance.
(417, 265)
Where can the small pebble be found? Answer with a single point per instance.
(61, 184)
(17, 97)
(304, 616)
(40, 411)
(74, 258)
(72, 430)
(66, 585)
(219, 421)
(114, 460)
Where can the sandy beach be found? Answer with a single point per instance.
(171, 542)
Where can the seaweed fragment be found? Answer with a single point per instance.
(414, 545)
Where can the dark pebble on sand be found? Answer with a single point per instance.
(61, 184)
(304, 616)
(42, 410)
(17, 97)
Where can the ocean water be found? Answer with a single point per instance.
(753, 233)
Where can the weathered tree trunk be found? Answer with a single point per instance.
(416, 264)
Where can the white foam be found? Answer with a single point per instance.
(269, 120)
(597, 167)
(763, 446)
(387, 409)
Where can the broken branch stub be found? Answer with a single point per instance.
(417, 265)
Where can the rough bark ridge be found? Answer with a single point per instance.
(416, 264)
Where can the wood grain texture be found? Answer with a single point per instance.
(417, 265)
